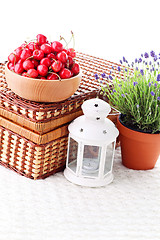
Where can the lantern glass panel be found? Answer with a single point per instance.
(109, 157)
(91, 159)
(72, 155)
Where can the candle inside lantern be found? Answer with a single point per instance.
(91, 159)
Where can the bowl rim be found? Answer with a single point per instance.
(44, 80)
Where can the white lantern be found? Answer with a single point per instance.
(91, 146)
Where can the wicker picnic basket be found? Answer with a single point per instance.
(34, 136)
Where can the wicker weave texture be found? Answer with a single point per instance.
(29, 159)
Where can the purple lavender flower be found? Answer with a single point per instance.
(146, 55)
(136, 68)
(152, 54)
(110, 77)
(137, 106)
(153, 69)
(119, 69)
(158, 98)
(114, 90)
(136, 60)
(139, 60)
(96, 76)
(120, 61)
(103, 75)
(149, 84)
(155, 84)
(122, 95)
(158, 77)
(112, 67)
(124, 59)
(155, 58)
(135, 83)
(126, 69)
(142, 72)
(142, 55)
(152, 93)
(150, 63)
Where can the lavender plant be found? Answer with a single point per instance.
(136, 92)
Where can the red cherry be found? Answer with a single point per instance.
(62, 56)
(13, 58)
(18, 51)
(26, 53)
(51, 56)
(25, 74)
(75, 68)
(33, 73)
(20, 61)
(24, 45)
(11, 66)
(52, 76)
(38, 54)
(65, 73)
(35, 62)
(69, 62)
(45, 61)
(33, 46)
(27, 64)
(18, 68)
(57, 46)
(56, 66)
(46, 48)
(41, 39)
(42, 70)
(71, 52)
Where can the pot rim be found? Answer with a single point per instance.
(139, 136)
(133, 129)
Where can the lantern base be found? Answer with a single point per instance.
(86, 181)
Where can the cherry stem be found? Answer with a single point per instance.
(32, 40)
(73, 39)
(14, 59)
(29, 57)
(55, 74)
(62, 38)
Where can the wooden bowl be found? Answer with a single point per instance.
(42, 90)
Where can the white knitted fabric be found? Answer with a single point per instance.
(128, 208)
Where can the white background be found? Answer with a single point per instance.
(53, 208)
(108, 29)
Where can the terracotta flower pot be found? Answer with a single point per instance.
(140, 151)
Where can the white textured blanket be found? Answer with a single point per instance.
(128, 208)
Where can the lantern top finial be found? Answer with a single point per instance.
(93, 126)
(96, 109)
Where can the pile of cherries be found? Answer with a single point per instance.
(44, 60)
